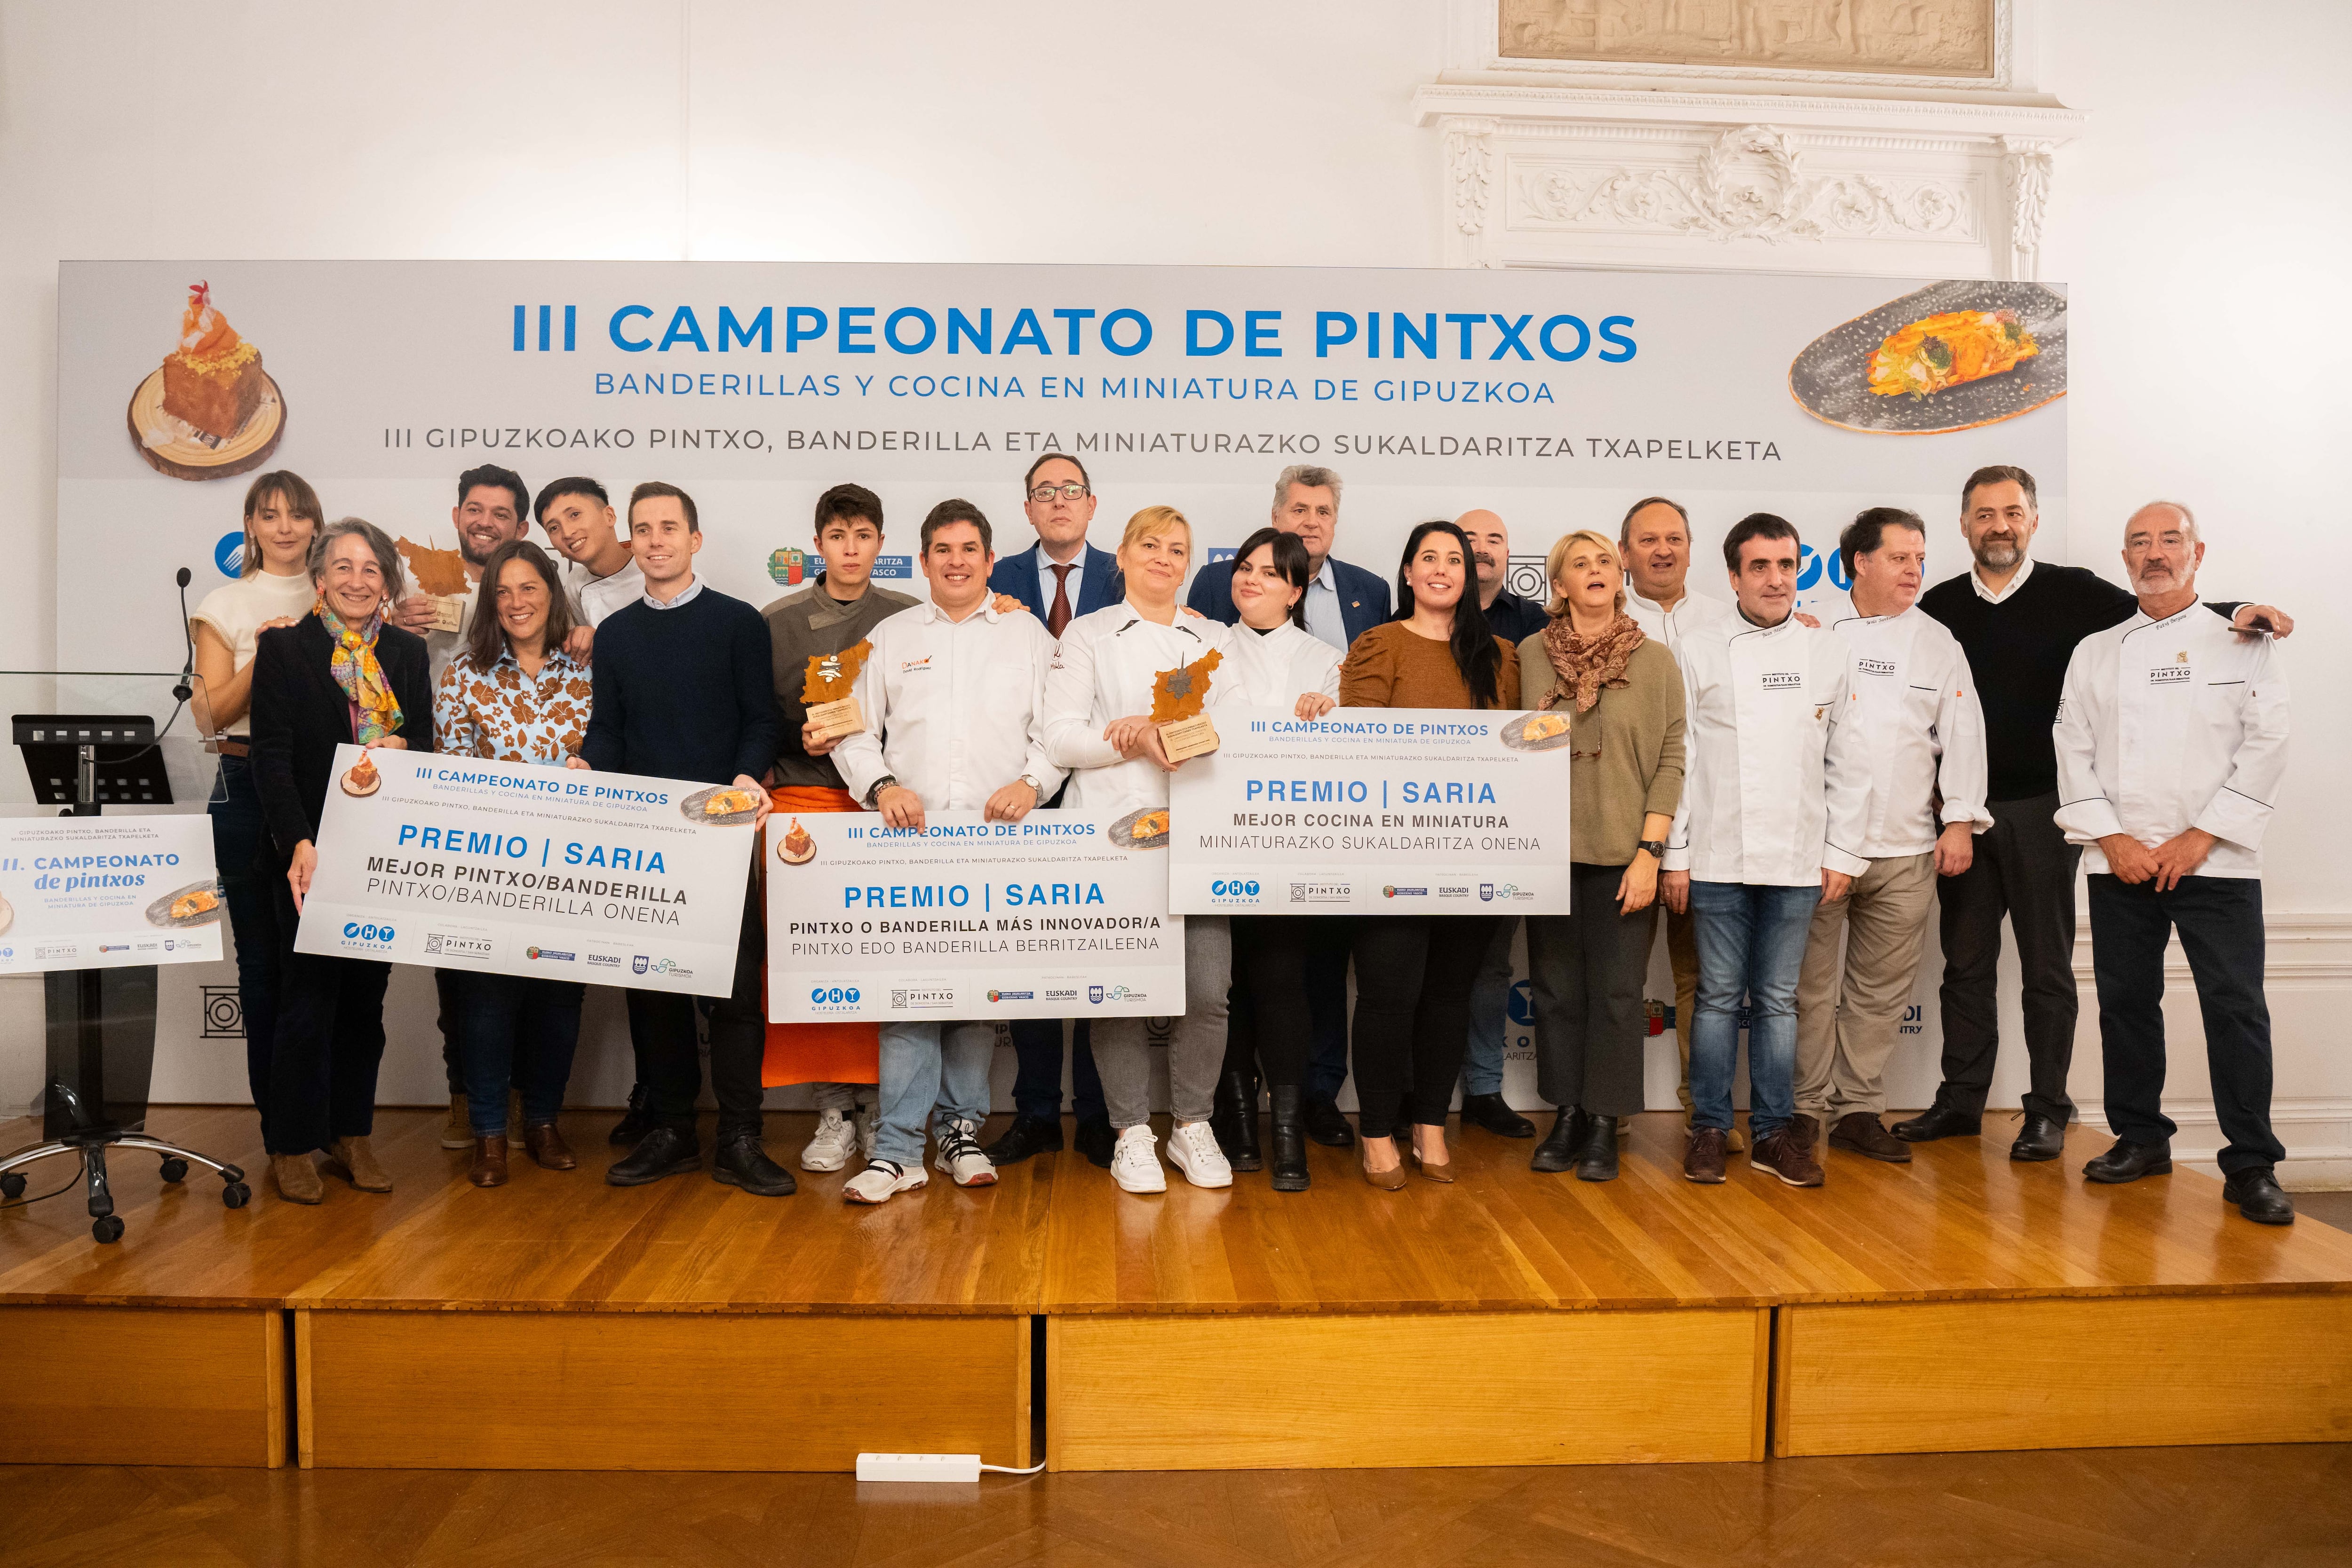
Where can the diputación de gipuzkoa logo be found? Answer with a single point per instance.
(368, 936)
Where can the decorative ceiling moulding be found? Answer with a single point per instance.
(1902, 186)
(1911, 44)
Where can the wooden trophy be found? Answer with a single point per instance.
(825, 691)
(441, 576)
(1176, 698)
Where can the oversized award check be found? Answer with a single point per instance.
(1373, 810)
(1063, 915)
(97, 892)
(547, 873)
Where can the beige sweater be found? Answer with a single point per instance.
(1625, 753)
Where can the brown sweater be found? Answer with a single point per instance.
(1625, 753)
(1392, 666)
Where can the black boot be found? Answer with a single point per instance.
(1327, 1123)
(1234, 1119)
(1596, 1161)
(631, 1129)
(742, 1161)
(1566, 1140)
(1289, 1141)
(662, 1152)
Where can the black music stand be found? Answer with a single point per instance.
(101, 1022)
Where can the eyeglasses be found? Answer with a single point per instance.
(1070, 492)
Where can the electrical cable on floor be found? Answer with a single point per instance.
(71, 1182)
(1009, 1470)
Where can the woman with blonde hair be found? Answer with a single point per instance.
(1623, 695)
(1099, 725)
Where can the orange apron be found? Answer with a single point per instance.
(816, 1052)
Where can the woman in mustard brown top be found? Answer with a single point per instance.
(1413, 971)
(1623, 697)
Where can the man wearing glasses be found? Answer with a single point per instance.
(1063, 578)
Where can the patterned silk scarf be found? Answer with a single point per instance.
(1584, 664)
(376, 710)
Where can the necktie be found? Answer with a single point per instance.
(1059, 615)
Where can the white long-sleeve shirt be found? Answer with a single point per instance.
(1777, 785)
(954, 710)
(1691, 613)
(2170, 725)
(1276, 669)
(1104, 671)
(1916, 705)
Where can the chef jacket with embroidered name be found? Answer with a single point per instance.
(954, 710)
(1691, 613)
(1105, 670)
(1777, 785)
(1274, 669)
(2171, 725)
(1916, 705)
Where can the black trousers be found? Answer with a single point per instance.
(1269, 1025)
(1037, 1074)
(669, 1059)
(1413, 975)
(328, 1041)
(1328, 940)
(2220, 923)
(2024, 868)
(1585, 969)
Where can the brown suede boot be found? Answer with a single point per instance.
(360, 1164)
(489, 1167)
(1787, 1152)
(1703, 1161)
(297, 1178)
(458, 1131)
(545, 1142)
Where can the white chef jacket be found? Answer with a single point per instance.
(599, 597)
(1916, 705)
(1691, 613)
(954, 710)
(2170, 725)
(1107, 661)
(1777, 786)
(1278, 669)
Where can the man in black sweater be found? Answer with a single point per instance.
(684, 689)
(2018, 619)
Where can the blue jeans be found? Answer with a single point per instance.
(927, 1064)
(1490, 1021)
(1751, 938)
(236, 812)
(515, 1033)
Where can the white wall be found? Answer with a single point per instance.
(2201, 219)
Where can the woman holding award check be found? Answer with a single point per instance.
(1115, 667)
(1413, 972)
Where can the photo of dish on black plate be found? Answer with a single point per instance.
(1952, 356)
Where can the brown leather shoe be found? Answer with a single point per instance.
(1733, 1138)
(297, 1178)
(1703, 1161)
(1390, 1180)
(545, 1142)
(1785, 1153)
(359, 1164)
(489, 1167)
(1430, 1170)
(1860, 1133)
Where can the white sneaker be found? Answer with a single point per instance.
(1193, 1150)
(960, 1155)
(1135, 1162)
(880, 1180)
(829, 1150)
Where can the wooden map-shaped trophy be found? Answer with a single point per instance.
(825, 691)
(1176, 698)
(441, 576)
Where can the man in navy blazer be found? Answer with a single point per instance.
(1059, 581)
(1343, 602)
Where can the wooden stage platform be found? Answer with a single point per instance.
(1960, 1303)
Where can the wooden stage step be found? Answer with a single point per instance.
(2019, 1305)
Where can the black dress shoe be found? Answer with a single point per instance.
(1233, 1120)
(2128, 1161)
(1488, 1111)
(1326, 1126)
(662, 1152)
(2041, 1138)
(1288, 1150)
(2259, 1197)
(635, 1122)
(1027, 1135)
(1596, 1161)
(1561, 1146)
(742, 1162)
(1096, 1140)
(1939, 1122)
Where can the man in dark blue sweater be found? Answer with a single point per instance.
(2018, 619)
(684, 689)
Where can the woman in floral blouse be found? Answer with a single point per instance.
(514, 694)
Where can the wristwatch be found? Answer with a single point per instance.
(1035, 788)
(873, 796)
(1656, 846)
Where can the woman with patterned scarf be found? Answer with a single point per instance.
(1622, 696)
(339, 675)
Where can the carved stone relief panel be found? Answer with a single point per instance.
(1942, 39)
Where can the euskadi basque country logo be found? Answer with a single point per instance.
(893, 569)
(1393, 890)
(554, 956)
(996, 995)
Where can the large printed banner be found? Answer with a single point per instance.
(552, 873)
(97, 893)
(1062, 914)
(1373, 810)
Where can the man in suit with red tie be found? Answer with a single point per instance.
(1063, 578)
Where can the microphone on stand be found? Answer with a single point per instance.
(185, 690)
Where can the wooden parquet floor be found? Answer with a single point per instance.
(2288, 1507)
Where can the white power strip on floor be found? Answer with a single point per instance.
(919, 1468)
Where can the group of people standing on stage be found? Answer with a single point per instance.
(1799, 797)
